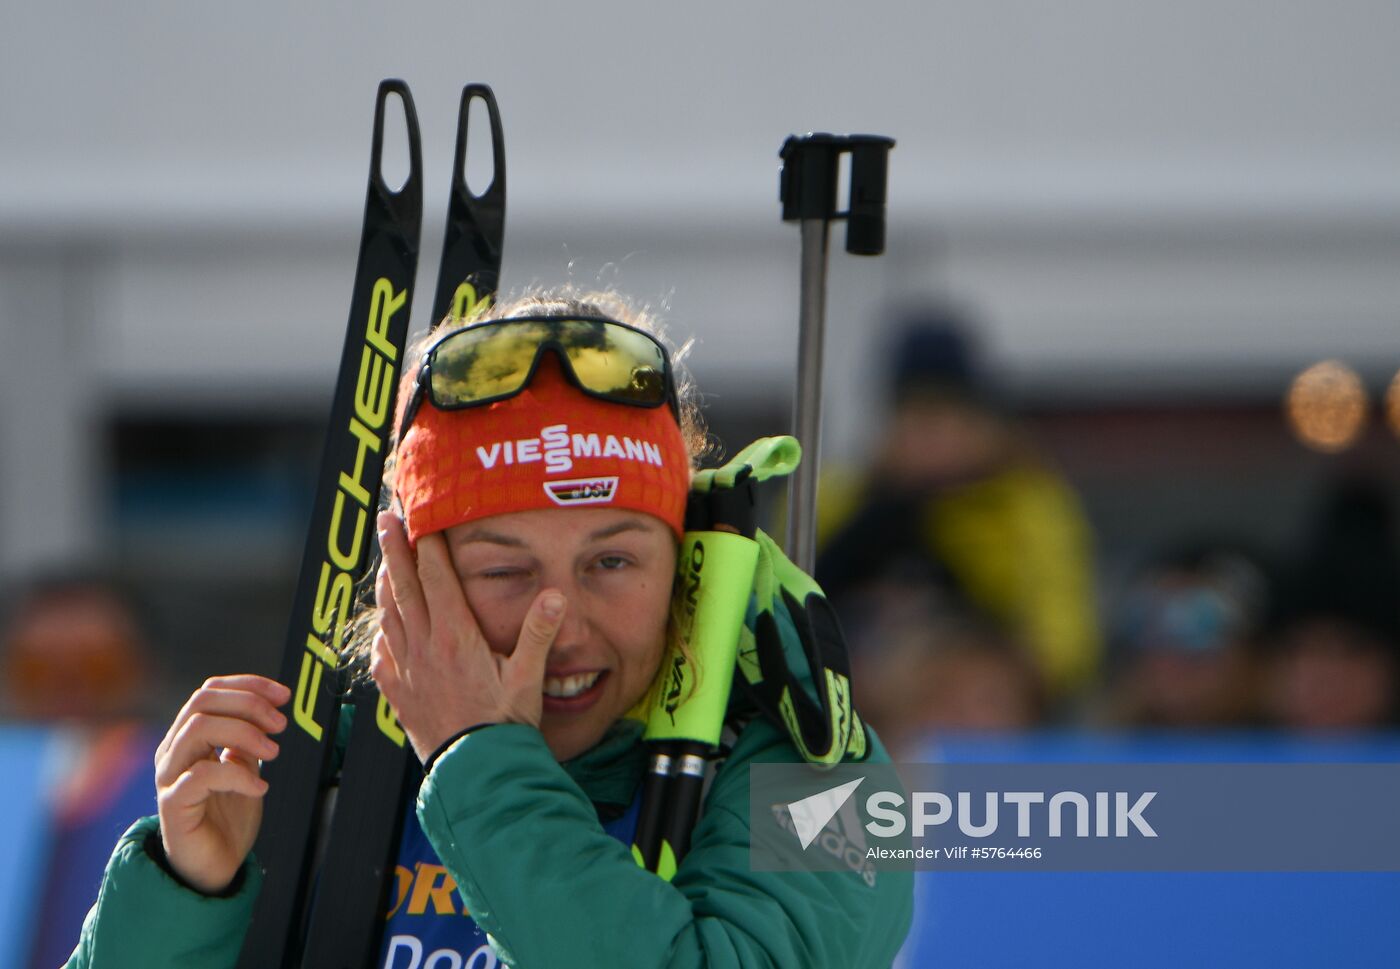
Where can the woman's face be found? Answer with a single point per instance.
(615, 569)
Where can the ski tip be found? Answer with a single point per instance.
(396, 88)
(495, 188)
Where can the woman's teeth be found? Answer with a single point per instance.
(563, 687)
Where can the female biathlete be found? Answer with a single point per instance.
(520, 617)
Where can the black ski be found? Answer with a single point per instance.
(337, 545)
(348, 914)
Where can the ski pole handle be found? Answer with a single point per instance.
(808, 190)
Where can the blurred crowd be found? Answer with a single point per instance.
(962, 564)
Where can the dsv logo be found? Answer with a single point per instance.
(582, 491)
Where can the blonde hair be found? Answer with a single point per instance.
(564, 303)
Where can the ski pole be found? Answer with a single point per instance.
(684, 730)
(811, 167)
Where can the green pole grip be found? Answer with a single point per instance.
(714, 576)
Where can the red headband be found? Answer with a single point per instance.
(550, 446)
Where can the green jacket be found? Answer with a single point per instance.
(520, 835)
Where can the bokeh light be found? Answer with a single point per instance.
(1326, 406)
(1392, 404)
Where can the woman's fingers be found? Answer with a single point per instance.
(384, 599)
(204, 734)
(383, 667)
(193, 787)
(523, 671)
(242, 704)
(451, 618)
(235, 695)
(406, 592)
(273, 691)
(422, 599)
(390, 622)
(233, 755)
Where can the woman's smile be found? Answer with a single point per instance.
(573, 694)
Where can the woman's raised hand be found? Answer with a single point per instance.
(430, 659)
(208, 790)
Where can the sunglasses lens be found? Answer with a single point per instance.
(615, 362)
(484, 362)
(489, 362)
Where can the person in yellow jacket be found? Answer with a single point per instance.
(958, 499)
